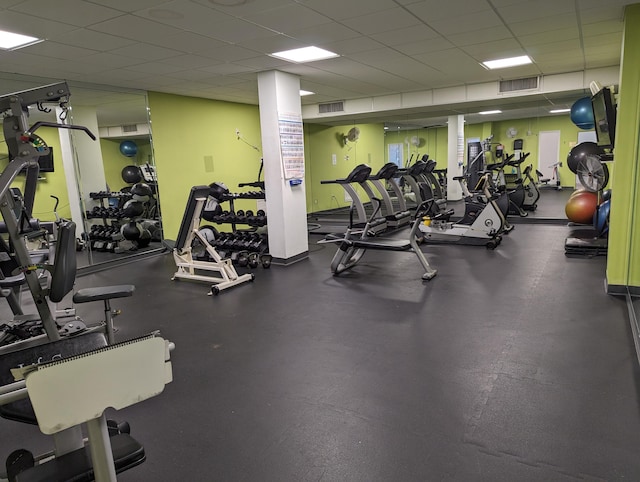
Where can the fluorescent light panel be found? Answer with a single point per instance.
(487, 112)
(559, 111)
(10, 40)
(306, 92)
(304, 54)
(508, 62)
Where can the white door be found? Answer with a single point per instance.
(548, 154)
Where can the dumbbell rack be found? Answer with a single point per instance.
(236, 247)
(105, 242)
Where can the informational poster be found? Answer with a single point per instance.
(291, 145)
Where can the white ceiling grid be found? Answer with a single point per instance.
(211, 49)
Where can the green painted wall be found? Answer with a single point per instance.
(323, 142)
(416, 143)
(190, 132)
(114, 161)
(52, 183)
(623, 259)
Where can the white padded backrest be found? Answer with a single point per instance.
(78, 389)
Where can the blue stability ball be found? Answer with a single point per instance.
(128, 148)
(581, 113)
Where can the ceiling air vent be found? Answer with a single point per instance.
(331, 107)
(130, 128)
(526, 83)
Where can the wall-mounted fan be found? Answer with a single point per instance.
(351, 136)
(512, 132)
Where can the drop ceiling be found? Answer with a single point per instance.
(214, 49)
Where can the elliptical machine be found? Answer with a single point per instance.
(481, 225)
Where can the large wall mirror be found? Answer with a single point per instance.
(107, 186)
(545, 137)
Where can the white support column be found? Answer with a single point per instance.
(279, 95)
(455, 157)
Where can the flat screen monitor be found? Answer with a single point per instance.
(604, 117)
(46, 162)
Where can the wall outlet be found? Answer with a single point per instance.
(334, 159)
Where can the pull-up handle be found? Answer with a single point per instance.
(61, 126)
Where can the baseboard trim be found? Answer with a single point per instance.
(290, 261)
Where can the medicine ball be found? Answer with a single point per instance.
(581, 152)
(218, 190)
(132, 208)
(131, 174)
(141, 192)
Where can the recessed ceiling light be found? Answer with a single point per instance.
(559, 111)
(509, 62)
(10, 40)
(304, 54)
(306, 92)
(487, 112)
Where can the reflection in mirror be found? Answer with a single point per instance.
(87, 176)
(532, 133)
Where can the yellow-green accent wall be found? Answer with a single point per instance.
(623, 258)
(51, 183)
(189, 136)
(114, 161)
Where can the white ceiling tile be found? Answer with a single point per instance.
(280, 18)
(433, 11)
(230, 53)
(549, 37)
(602, 12)
(382, 21)
(72, 12)
(153, 68)
(263, 62)
(474, 36)
(341, 9)
(25, 24)
(483, 20)
(109, 61)
(600, 28)
(192, 74)
(417, 33)
(545, 24)
(609, 40)
(274, 43)
(321, 34)
(145, 52)
(188, 61)
(523, 12)
(136, 28)
(189, 42)
(91, 40)
(353, 45)
(60, 51)
(248, 8)
(433, 45)
(129, 5)
(494, 50)
(227, 69)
